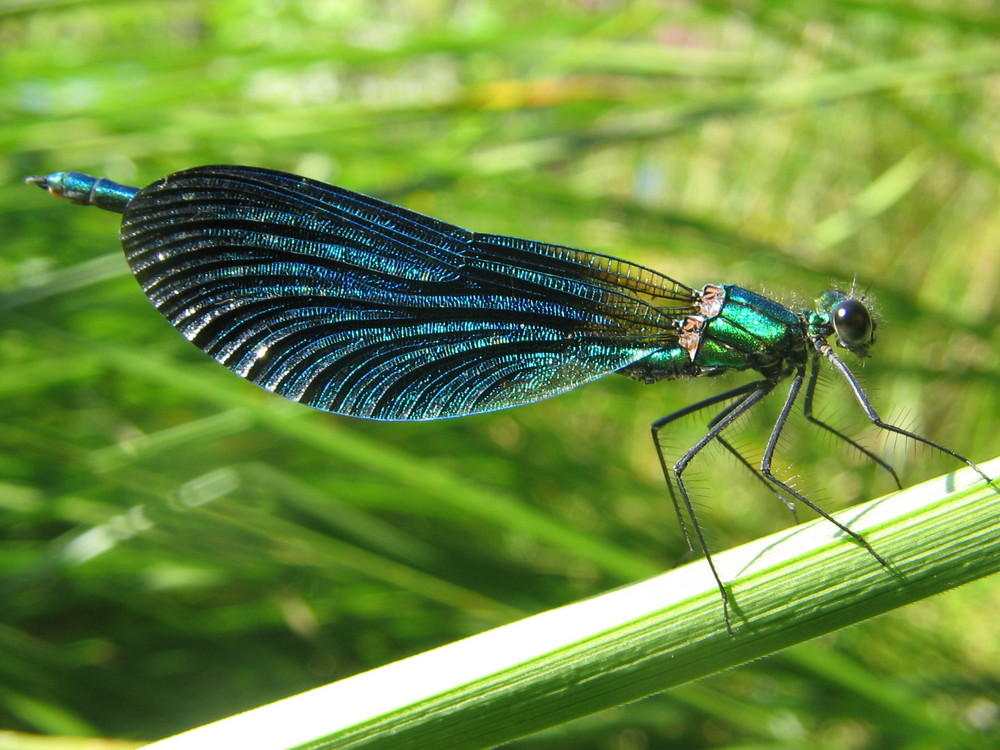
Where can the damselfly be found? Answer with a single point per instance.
(356, 306)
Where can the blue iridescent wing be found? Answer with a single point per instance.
(353, 305)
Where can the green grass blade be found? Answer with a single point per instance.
(645, 638)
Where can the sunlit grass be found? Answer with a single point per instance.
(178, 545)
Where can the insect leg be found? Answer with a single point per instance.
(747, 396)
(765, 465)
(754, 470)
(823, 348)
(659, 424)
(807, 409)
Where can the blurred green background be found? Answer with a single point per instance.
(177, 545)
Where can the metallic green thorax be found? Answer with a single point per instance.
(750, 332)
(735, 329)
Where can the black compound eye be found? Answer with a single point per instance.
(853, 324)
